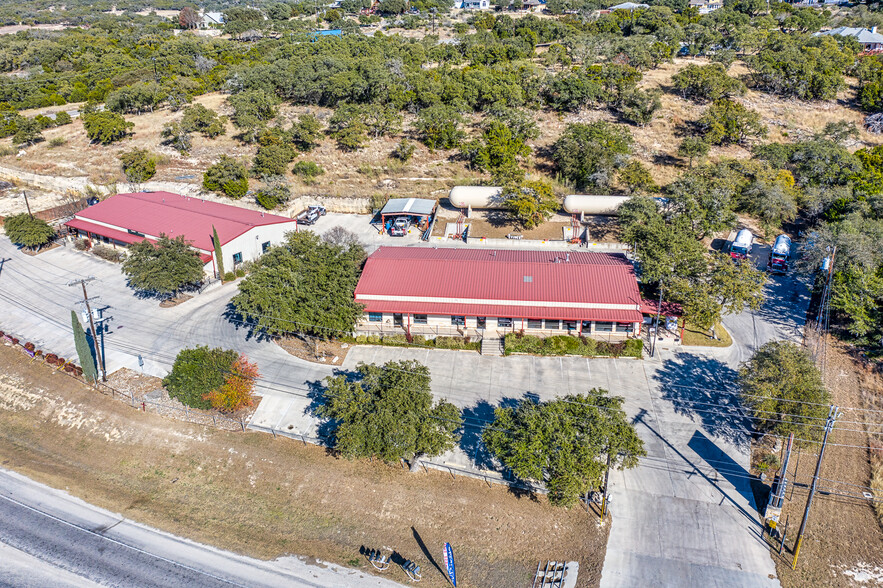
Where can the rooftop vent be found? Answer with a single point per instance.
(528, 279)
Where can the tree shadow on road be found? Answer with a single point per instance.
(475, 419)
(704, 388)
(316, 393)
(239, 322)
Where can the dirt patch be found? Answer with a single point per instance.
(843, 545)
(35, 252)
(170, 302)
(267, 498)
(330, 352)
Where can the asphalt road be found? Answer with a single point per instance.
(48, 538)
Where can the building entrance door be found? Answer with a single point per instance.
(397, 320)
(481, 322)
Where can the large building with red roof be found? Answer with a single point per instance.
(443, 291)
(128, 218)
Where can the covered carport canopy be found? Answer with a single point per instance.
(418, 209)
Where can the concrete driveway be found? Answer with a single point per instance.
(686, 516)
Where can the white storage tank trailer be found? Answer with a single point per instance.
(741, 247)
(780, 255)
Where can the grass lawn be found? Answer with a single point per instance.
(696, 336)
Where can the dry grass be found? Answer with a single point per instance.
(266, 498)
(428, 174)
(844, 535)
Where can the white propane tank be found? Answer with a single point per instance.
(590, 204)
(476, 197)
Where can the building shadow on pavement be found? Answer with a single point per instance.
(748, 486)
(706, 449)
(704, 389)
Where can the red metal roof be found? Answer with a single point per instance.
(482, 282)
(668, 308)
(122, 236)
(152, 213)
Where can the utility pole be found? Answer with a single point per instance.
(829, 424)
(82, 282)
(604, 496)
(28, 204)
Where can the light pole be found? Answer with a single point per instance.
(658, 318)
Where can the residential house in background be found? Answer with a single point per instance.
(706, 6)
(869, 39)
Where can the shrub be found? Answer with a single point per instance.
(770, 461)
(229, 277)
(307, 171)
(108, 253)
(240, 272)
(273, 196)
(197, 372)
(404, 150)
(57, 142)
(80, 244)
(228, 176)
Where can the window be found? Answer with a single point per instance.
(458, 320)
(504, 322)
(603, 327)
(625, 327)
(553, 323)
(420, 319)
(481, 322)
(570, 325)
(375, 317)
(265, 246)
(237, 258)
(534, 323)
(586, 326)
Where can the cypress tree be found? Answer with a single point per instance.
(218, 255)
(84, 352)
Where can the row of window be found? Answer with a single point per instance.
(506, 323)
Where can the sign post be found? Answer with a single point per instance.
(449, 565)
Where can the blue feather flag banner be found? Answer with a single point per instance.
(449, 564)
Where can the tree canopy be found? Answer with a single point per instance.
(305, 285)
(565, 443)
(387, 412)
(783, 389)
(27, 231)
(204, 377)
(164, 268)
(588, 155)
(228, 176)
(139, 165)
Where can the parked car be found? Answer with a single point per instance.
(310, 215)
(400, 227)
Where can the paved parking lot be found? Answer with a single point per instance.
(686, 516)
(360, 225)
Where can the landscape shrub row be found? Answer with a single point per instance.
(465, 343)
(571, 345)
